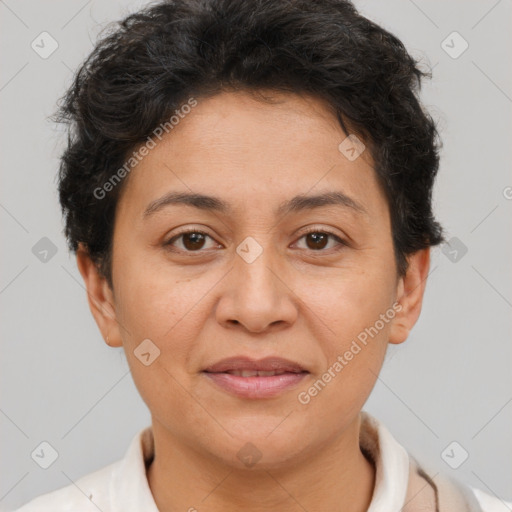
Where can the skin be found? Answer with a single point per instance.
(300, 299)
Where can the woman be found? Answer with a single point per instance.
(247, 187)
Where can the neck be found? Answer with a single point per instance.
(338, 477)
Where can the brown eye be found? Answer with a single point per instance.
(191, 241)
(318, 240)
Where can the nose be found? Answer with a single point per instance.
(257, 295)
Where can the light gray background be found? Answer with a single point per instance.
(451, 381)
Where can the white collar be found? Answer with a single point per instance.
(391, 463)
(129, 487)
(130, 492)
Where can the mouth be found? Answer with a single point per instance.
(248, 378)
(255, 373)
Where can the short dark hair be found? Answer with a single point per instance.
(148, 64)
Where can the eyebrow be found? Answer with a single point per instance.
(297, 204)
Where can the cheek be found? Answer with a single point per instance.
(150, 298)
(152, 306)
(356, 312)
(351, 299)
(166, 307)
(353, 356)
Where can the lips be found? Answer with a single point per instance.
(255, 379)
(247, 367)
(255, 373)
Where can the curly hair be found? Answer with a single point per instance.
(147, 65)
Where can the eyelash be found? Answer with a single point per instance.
(341, 242)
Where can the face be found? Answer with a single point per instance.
(265, 275)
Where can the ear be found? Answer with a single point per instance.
(100, 297)
(410, 290)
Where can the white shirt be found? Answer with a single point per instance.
(123, 486)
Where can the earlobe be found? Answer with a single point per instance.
(100, 297)
(410, 292)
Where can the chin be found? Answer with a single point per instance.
(257, 449)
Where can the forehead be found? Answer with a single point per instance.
(251, 151)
